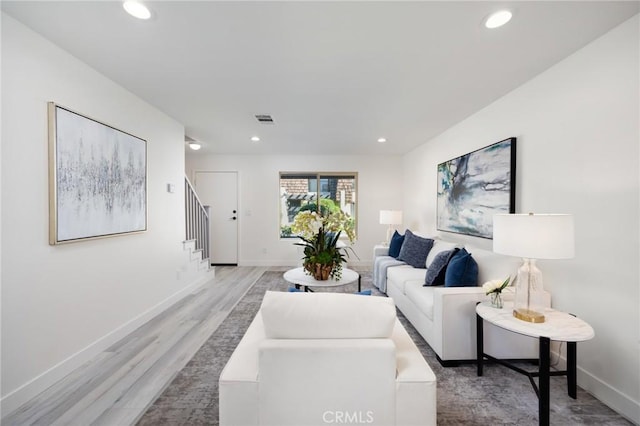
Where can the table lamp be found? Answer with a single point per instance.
(532, 236)
(390, 217)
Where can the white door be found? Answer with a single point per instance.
(220, 191)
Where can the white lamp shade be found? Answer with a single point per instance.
(390, 217)
(534, 236)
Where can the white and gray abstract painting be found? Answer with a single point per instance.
(474, 187)
(100, 175)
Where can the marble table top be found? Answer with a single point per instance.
(558, 326)
(300, 277)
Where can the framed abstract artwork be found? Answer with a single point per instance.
(474, 187)
(97, 179)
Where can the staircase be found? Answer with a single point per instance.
(196, 261)
(197, 226)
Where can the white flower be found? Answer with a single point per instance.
(315, 225)
(491, 286)
(495, 286)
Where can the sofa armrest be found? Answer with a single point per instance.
(380, 250)
(455, 332)
(455, 307)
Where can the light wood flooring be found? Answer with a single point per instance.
(118, 386)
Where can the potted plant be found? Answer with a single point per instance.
(320, 235)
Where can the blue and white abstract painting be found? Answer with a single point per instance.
(474, 187)
(100, 176)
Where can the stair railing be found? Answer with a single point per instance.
(197, 219)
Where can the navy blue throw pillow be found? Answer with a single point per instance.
(414, 250)
(462, 271)
(437, 270)
(395, 244)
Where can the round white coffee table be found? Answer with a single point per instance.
(299, 278)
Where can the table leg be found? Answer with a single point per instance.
(543, 381)
(479, 344)
(571, 369)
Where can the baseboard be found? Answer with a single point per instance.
(608, 395)
(293, 264)
(266, 263)
(13, 400)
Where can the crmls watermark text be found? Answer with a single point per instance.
(347, 417)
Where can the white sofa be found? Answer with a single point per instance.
(322, 358)
(445, 316)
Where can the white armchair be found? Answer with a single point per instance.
(322, 358)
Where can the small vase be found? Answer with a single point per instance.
(496, 300)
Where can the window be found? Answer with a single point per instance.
(324, 185)
(301, 191)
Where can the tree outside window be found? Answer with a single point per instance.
(321, 192)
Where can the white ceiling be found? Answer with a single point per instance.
(335, 76)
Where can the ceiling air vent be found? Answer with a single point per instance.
(264, 118)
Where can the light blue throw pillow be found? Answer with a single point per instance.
(415, 249)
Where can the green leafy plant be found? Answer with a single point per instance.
(285, 231)
(320, 235)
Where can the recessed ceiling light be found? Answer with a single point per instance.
(194, 146)
(136, 9)
(382, 140)
(255, 139)
(498, 19)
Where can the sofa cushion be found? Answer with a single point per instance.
(415, 249)
(493, 266)
(400, 275)
(381, 265)
(462, 271)
(326, 316)
(422, 297)
(438, 247)
(436, 271)
(396, 244)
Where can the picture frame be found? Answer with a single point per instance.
(474, 187)
(97, 179)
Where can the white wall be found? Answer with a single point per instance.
(379, 188)
(62, 304)
(577, 128)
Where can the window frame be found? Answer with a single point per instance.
(318, 176)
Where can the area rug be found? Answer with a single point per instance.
(500, 397)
